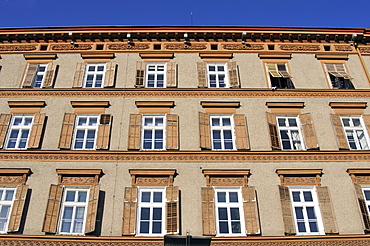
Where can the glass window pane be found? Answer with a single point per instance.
(346, 121)
(157, 227)
(221, 196)
(82, 195)
(226, 122)
(313, 227)
(9, 194)
(310, 212)
(145, 214)
(299, 212)
(144, 227)
(145, 197)
(356, 122)
(227, 134)
(28, 121)
(67, 214)
(223, 227)
(222, 213)
(148, 121)
(220, 68)
(234, 214)
(4, 212)
(367, 195)
(281, 121)
(17, 121)
(82, 121)
(157, 213)
(233, 196)
(93, 121)
(158, 121)
(212, 68)
(215, 122)
(235, 227)
(66, 226)
(80, 212)
(157, 196)
(158, 134)
(301, 227)
(307, 196)
(292, 122)
(70, 196)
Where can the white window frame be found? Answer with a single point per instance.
(151, 205)
(354, 130)
(153, 128)
(289, 129)
(74, 205)
(8, 203)
(309, 204)
(94, 73)
(22, 127)
(228, 205)
(222, 129)
(85, 128)
(155, 74)
(39, 74)
(366, 188)
(217, 73)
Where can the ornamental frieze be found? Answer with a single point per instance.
(185, 47)
(294, 47)
(363, 179)
(128, 47)
(11, 179)
(71, 47)
(243, 47)
(300, 180)
(226, 181)
(343, 48)
(78, 180)
(364, 49)
(17, 47)
(151, 181)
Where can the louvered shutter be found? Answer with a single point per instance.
(129, 211)
(79, 75)
(273, 130)
(252, 223)
(326, 209)
(171, 75)
(363, 208)
(205, 131)
(241, 132)
(202, 74)
(50, 75)
(366, 118)
(110, 72)
(208, 211)
(30, 74)
(341, 136)
(140, 74)
(36, 131)
(66, 134)
(273, 70)
(283, 71)
(134, 131)
(308, 131)
(172, 210)
(286, 208)
(17, 208)
(331, 68)
(342, 71)
(4, 125)
(233, 74)
(52, 209)
(92, 208)
(104, 128)
(172, 131)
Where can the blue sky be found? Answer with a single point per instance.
(286, 13)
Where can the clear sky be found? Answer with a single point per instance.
(282, 13)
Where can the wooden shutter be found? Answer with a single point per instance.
(17, 209)
(363, 207)
(252, 223)
(202, 74)
(36, 131)
(205, 131)
(172, 210)
(331, 68)
(172, 131)
(30, 74)
(342, 71)
(110, 72)
(52, 209)
(66, 134)
(233, 74)
(50, 75)
(92, 208)
(208, 211)
(140, 74)
(129, 211)
(341, 136)
(282, 70)
(102, 141)
(286, 208)
(326, 209)
(274, 134)
(134, 131)
(366, 118)
(273, 70)
(79, 75)
(171, 76)
(4, 125)
(308, 131)
(241, 132)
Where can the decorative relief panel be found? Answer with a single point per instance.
(216, 181)
(78, 180)
(17, 47)
(151, 181)
(299, 181)
(364, 49)
(185, 47)
(243, 47)
(71, 47)
(343, 48)
(11, 179)
(294, 47)
(128, 47)
(362, 179)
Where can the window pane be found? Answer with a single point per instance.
(311, 213)
(235, 227)
(82, 195)
(157, 197)
(215, 122)
(70, 197)
(82, 121)
(158, 134)
(227, 134)
(299, 212)
(220, 68)
(144, 227)
(17, 121)
(367, 195)
(226, 122)
(67, 214)
(346, 121)
(313, 227)
(9, 195)
(233, 196)
(301, 227)
(221, 196)
(4, 211)
(296, 197)
(281, 122)
(145, 197)
(77, 227)
(212, 68)
(80, 211)
(223, 227)
(307, 196)
(159, 121)
(148, 121)
(66, 226)
(93, 121)
(157, 213)
(157, 227)
(292, 122)
(145, 214)
(356, 122)
(234, 213)
(222, 213)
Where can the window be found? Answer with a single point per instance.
(357, 137)
(94, 75)
(338, 76)
(366, 191)
(290, 133)
(155, 75)
(151, 213)
(153, 132)
(222, 132)
(279, 76)
(39, 75)
(19, 131)
(6, 203)
(217, 76)
(85, 132)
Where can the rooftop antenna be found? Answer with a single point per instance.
(191, 18)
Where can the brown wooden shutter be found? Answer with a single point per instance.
(4, 125)
(50, 75)
(30, 74)
(92, 208)
(233, 74)
(172, 210)
(341, 136)
(286, 208)
(110, 72)
(208, 211)
(326, 209)
(342, 71)
(205, 131)
(171, 76)
(363, 207)
(241, 132)
(308, 131)
(79, 75)
(252, 223)
(36, 131)
(172, 131)
(52, 209)
(331, 68)
(17, 209)
(134, 131)
(273, 70)
(140, 74)
(274, 134)
(104, 128)
(283, 70)
(66, 134)
(366, 118)
(129, 211)
(202, 74)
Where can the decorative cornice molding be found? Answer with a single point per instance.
(348, 104)
(169, 104)
(23, 104)
(94, 104)
(285, 104)
(332, 56)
